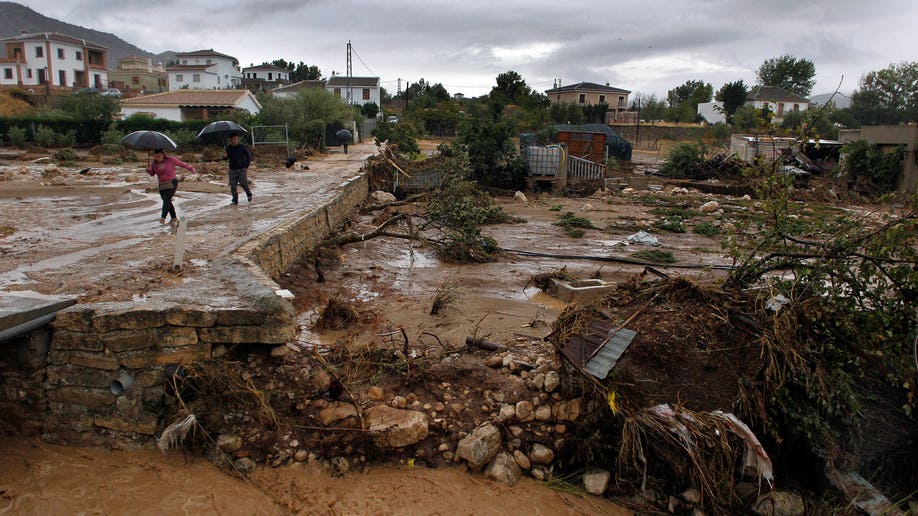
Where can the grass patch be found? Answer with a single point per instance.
(706, 229)
(684, 213)
(569, 220)
(674, 224)
(6, 230)
(655, 256)
(555, 207)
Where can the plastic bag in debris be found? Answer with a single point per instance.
(643, 238)
(775, 303)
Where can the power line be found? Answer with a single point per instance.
(361, 62)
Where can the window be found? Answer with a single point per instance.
(621, 102)
(781, 109)
(796, 107)
(583, 98)
(7, 73)
(60, 53)
(196, 77)
(135, 80)
(184, 61)
(208, 61)
(602, 99)
(79, 55)
(338, 92)
(29, 73)
(62, 77)
(366, 94)
(269, 76)
(39, 52)
(179, 78)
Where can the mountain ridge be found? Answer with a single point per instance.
(16, 18)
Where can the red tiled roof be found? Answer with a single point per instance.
(188, 98)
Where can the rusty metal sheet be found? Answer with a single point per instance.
(579, 349)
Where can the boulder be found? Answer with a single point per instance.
(503, 469)
(396, 428)
(521, 459)
(779, 503)
(229, 442)
(520, 196)
(479, 447)
(541, 454)
(709, 207)
(552, 381)
(596, 481)
(524, 411)
(335, 412)
(381, 197)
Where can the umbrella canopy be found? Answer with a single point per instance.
(345, 135)
(149, 140)
(219, 131)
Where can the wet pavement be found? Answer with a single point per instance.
(97, 236)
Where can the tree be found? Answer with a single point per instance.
(510, 88)
(888, 96)
(732, 95)
(304, 112)
(492, 154)
(683, 100)
(299, 72)
(789, 73)
(90, 107)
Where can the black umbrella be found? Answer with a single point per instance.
(149, 140)
(218, 131)
(345, 135)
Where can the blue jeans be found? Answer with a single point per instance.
(238, 177)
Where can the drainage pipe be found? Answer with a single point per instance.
(22, 329)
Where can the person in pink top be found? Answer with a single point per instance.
(163, 167)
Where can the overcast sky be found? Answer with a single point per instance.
(645, 47)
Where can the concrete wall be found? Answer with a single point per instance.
(96, 344)
(889, 138)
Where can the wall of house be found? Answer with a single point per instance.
(357, 94)
(592, 98)
(164, 113)
(208, 80)
(226, 76)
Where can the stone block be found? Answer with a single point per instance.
(396, 428)
(239, 317)
(75, 318)
(178, 316)
(172, 356)
(143, 423)
(104, 361)
(129, 340)
(176, 336)
(137, 319)
(265, 334)
(86, 397)
(479, 447)
(70, 375)
(76, 340)
(503, 469)
(59, 357)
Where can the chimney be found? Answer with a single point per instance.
(607, 83)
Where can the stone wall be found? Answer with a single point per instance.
(140, 345)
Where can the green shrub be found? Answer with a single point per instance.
(706, 229)
(569, 220)
(555, 207)
(18, 136)
(867, 161)
(44, 136)
(67, 139)
(65, 156)
(652, 255)
(112, 137)
(674, 224)
(20, 94)
(683, 160)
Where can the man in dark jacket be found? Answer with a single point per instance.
(239, 158)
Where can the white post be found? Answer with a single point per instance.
(180, 244)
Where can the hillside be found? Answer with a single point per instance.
(16, 18)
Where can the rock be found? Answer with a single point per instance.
(320, 381)
(539, 474)
(301, 455)
(376, 393)
(494, 361)
(503, 469)
(341, 465)
(541, 454)
(520, 196)
(381, 197)
(521, 459)
(396, 428)
(779, 503)
(524, 411)
(552, 381)
(478, 448)
(596, 481)
(709, 207)
(543, 413)
(218, 351)
(569, 410)
(399, 402)
(691, 495)
(507, 413)
(280, 351)
(245, 465)
(746, 197)
(229, 442)
(537, 382)
(336, 412)
(515, 431)
(443, 447)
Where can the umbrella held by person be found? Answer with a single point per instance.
(163, 167)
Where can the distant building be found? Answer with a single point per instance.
(291, 90)
(777, 100)
(138, 76)
(181, 105)
(356, 90)
(264, 77)
(204, 70)
(590, 93)
(52, 61)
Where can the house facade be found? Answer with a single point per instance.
(138, 76)
(189, 104)
(354, 90)
(54, 62)
(777, 100)
(890, 138)
(590, 93)
(290, 90)
(204, 70)
(264, 77)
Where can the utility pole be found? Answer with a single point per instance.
(350, 72)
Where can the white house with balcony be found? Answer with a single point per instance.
(52, 61)
(265, 77)
(354, 90)
(204, 70)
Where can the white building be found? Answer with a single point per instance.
(777, 100)
(265, 77)
(355, 90)
(191, 104)
(712, 112)
(291, 90)
(53, 61)
(204, 70)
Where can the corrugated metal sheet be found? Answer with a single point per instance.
(599, 334)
